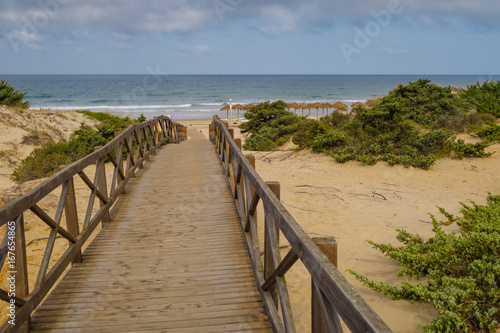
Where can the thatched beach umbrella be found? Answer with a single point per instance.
(310, 106)
(303, 106)
(248, 107)
(238, 107)
(294, 106)
(226, 108)
(353, 105)
(327, 106)
(317, 105)
(340, 105)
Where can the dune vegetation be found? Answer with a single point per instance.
(45, 160)
(414, 125)
(10, 97)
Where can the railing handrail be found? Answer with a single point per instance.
(149, 136)
(14, 208)
(338, 294)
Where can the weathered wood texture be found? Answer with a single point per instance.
(336, 297)
(149, 136)
(172, 258)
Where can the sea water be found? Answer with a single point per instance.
(202, 96)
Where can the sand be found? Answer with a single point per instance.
(22, 131)
(352, 202)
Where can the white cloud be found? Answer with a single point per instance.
(197, 50)
(282, 20)
(185, 16)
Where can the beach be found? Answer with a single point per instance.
(352, 202)
(355, 202)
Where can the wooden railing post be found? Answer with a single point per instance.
(269, 266)
(184, 133)
(157, 130)
(20, 265)
(71, 213)
(119, 160)
(319, 323)
(238, 142)
(102, 185)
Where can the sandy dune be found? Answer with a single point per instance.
(352, 202)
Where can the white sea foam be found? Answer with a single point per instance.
(111, 107)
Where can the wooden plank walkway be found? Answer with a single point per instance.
(173, 259)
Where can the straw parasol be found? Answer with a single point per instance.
(317, 105)
(339, 105)
(238, 107)
(353, 105)
(327, 106)
(226, 108)
(302, 107)
(248, 106)
(294, 106)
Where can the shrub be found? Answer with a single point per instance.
(42, 162)
(463, 149)
(327, 141)
(264, 139)
(463, 123)
(433, 141)
(45, 161)
(336, 120)
(307, 130)
(461, 270)
(270, 126)
(422, 102)
(489, 133)
(485, 97)
(263, 114)
(11, 97)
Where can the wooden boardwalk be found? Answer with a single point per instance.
(173, 258)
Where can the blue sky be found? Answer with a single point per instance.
(250, 37)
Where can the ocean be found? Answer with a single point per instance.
(202, 96)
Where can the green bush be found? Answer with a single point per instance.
(413, 126)
(463, 123)
(42, 162)
(45, 161)
(485, 97)
(270, 126)
(422, 102)
(336, 120)
(434, 141)
(489, 133)
(308, 129)
(461, 270)
(327, 141)
(11, 97)
(463, 149)
(263, 114)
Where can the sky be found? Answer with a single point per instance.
(250, 37)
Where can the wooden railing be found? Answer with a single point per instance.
(137, 143)
(332, 295)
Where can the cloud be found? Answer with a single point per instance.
(198, 50)
(187, 16)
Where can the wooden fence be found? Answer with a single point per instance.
(127, 152)
(332, 295)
